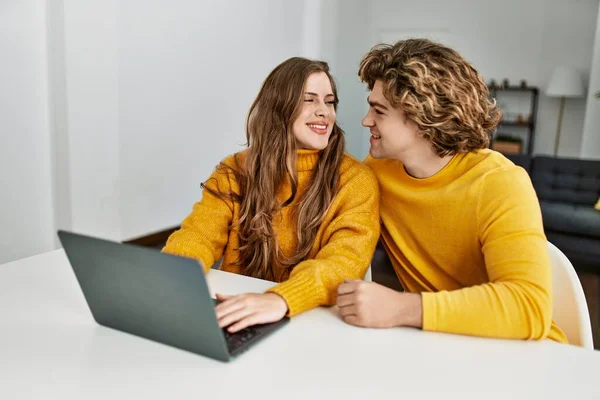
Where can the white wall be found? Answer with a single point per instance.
(568, 39)
(116, 111)
(312, 28)
(157, 94)
(590, 144)
(354, 37)
(511, 39)
(92, 109)
(26, 206)
(187, 78)
(58, 121)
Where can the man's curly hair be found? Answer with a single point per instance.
(437, 89)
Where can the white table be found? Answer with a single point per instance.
(51, 348)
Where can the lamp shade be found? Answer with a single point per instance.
(565, 82)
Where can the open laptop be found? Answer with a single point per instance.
(154, 295)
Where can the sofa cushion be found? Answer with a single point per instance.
(522, 160)
(575, 219)
(566, 180)
(582, 251)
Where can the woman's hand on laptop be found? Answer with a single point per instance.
(244, 310)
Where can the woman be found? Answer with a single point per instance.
(292, 208)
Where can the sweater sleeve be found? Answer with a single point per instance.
(517, 302)
(204, 232)
(348, 246)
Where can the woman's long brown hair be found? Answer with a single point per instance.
(271, 162)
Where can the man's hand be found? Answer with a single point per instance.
(371, 305)
(240, 311)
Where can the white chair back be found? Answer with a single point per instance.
(369, 275)
(569, 308)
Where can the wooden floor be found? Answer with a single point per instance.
(591, 288)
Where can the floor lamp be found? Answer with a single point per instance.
(565, 83)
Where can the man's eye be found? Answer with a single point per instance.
(378, 112)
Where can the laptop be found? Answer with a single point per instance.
(154, 295)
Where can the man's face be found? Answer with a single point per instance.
(392, 133)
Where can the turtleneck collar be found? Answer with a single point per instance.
(306, 160)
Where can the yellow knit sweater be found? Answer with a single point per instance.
(470, 238)
(342, 249)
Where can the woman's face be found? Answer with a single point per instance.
(315, 122)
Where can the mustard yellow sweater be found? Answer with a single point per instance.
(470, 238)
(343, 247)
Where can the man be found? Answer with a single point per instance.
(461, 223)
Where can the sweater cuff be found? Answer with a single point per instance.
(300, 293)
(429, 311)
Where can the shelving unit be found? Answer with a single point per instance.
(530, 123)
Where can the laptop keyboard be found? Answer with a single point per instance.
(239, 339)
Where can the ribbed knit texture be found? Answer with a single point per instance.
(342, 249)
(471, 239)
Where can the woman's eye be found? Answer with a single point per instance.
(308, 100)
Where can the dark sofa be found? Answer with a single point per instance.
(568, 189)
